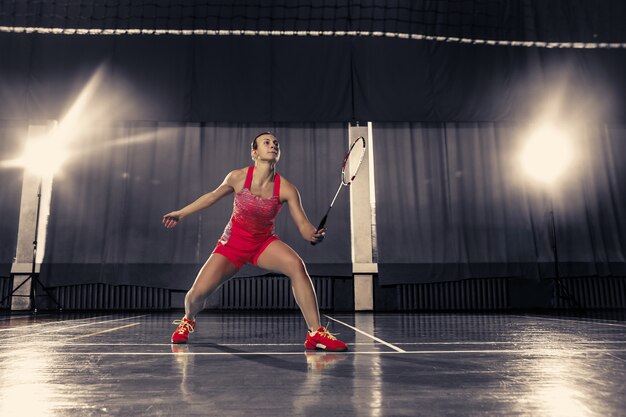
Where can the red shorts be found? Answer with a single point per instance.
(239, 255)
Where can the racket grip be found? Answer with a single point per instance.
(322, 224)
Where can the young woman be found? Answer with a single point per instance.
(249, 238)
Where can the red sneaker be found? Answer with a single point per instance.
(185, 327)
(322, 339)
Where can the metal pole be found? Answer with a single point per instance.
(34, 270)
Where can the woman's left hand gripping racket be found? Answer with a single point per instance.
(349, 168)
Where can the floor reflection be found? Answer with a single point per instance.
(372, 395)
(562, 378)
(319, 361)
(255, 365)
(29, 386)
(184, 361)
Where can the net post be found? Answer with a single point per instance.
(362, 224)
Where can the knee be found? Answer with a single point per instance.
(194, 296)
(295, 268)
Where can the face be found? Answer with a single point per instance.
(267, 148)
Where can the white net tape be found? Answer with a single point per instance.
(311, 33)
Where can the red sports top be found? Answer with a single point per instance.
(253, 218)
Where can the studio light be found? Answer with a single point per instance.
(547, 154)
(46, 150)
(44, 156)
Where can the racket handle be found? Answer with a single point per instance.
(322, 224)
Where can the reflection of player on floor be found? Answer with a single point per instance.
(249, 238)
(323, 361)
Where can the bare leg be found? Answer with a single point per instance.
(214, 272)
(279, 257)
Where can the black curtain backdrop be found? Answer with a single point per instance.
(12, 142)
(454, 203)
(300, 79)
(172, 114)
(108, 202)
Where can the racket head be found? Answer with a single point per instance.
(353, 161)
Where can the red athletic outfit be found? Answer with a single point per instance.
(247, 234)
(251, 226)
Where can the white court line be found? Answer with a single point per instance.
(200, 344)
(556, 353)
(616, 357)
(29, 326)
(104, 331)
(13, 354)
(570, 343)
(72, 327)
(570, 320)
(397, 349)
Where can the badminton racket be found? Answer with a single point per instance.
(349, 168)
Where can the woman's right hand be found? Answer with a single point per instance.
(171, 219)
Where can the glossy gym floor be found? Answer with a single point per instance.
(255, 365)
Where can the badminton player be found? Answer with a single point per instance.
(249, 238)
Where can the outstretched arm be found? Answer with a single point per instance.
(290, 194)
(171, 219)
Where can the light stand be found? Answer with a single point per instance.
(34, 276)
(561, 290)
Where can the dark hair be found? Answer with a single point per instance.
(254, 145)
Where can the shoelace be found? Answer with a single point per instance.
(182, 325)
(327, 334)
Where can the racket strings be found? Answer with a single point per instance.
(353, 161)
(356, 150)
